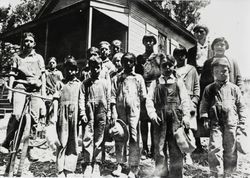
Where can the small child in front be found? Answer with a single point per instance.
(224, 112)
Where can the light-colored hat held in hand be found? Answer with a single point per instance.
(119, 132)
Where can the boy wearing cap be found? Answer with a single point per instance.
(224, 112)
(128, 90)
(147, 65)
(167, 105)
(65, 105)
(94, 106)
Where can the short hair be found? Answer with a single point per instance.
(180, 52)
(128, 55)
(95, 60)
(117, 55)
(93, 49)
(52, 58)
(104, 43)
(220, 39)
(116, 43)
(69, 61)
(26, 34)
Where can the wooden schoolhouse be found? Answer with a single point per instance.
(64, 27)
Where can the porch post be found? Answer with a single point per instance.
(46, 41)
(89, 32)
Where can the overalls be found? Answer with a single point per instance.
(167, 102)
(67, 126)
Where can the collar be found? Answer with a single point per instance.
(31, 54)
(128, 74)
(163, 80)
(221, 83)
(106, 60)
(53, 70)
(204, 46)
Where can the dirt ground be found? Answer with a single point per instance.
(46, 167)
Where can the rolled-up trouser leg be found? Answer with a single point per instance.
(215, 151)
(230, 151)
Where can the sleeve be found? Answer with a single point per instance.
(113, 90)
(41, 63)
(238, 77)
(183, 93)
(14, 65)
(58, 90)
(108, 97)
(196, 90)
(82, 110)
(143, 91)
(61, 75)
(204, 105)
(241, 108)
(150, 101)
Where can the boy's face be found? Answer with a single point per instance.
(117, 62)
(128, 64)
(95, 69)
(29, 43)
(220, 48)
(180, 59)
(105, 51)
(71, 72)
(167, 69)
(116, 49)
(52, 64)
(221, 73)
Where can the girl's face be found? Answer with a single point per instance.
(105, 51)
(219, 48)
(167, 69)
(52, 64)
(95, 69)
(221, 73)
(128, 64)
(180, 59)
(29, 43)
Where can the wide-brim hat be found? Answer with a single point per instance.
(220, 61)
(149, 36)
(201, 26)
(119, 132)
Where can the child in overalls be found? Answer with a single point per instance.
(94, 106)
(224, 113)
(66, 104)
(167, 106)
(128, 91)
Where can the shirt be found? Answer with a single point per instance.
(202, 54)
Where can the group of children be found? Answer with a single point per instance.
(130, 90)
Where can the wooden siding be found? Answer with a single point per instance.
(115, 2)
(63, 4)
(136, 32)
(143, 15)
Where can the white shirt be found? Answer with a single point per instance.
(202, 54)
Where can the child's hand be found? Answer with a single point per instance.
(206, 123)
(156, 119)
(84, 119)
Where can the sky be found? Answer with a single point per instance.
(228, 18)
(231, 19)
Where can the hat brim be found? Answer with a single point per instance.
(125, 128)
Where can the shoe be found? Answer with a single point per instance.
(32, 155)
(118, 171)
(96, 170)
(88, 171)
(4, 150)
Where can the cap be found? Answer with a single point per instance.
(222, 61)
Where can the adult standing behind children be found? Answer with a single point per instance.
(28, 66)
(224, 112)
(147, 65)
(198, 54)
